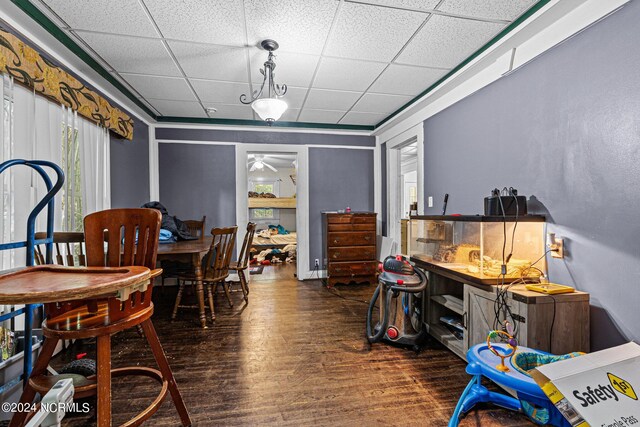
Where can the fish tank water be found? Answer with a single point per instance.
(475, 247)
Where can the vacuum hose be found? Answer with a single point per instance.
(384, 322)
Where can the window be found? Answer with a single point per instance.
(262, 215)
(71, 192)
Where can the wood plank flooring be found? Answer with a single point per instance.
(294, 355)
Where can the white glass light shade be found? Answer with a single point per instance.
(269, 109)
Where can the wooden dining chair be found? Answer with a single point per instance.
(242, 264)
(196, 227)
(216, 269)
(131, 237)
(68, 249)
(173, 269)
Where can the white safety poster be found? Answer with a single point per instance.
(599, 389)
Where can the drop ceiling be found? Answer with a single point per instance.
(345, 62)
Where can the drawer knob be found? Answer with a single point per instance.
(367, 238)
(336, 255)
(335, 240)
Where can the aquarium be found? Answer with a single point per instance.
(476, 247)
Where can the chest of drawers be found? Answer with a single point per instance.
(350, 247)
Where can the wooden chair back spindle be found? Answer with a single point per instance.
(196, 227)
(219, 256)
(68, 248)
(243, 257)
(119, 228)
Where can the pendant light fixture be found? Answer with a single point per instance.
(269, 107)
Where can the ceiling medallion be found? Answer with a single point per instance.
(270, 107)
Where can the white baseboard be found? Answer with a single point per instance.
(313, 275)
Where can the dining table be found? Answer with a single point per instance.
(192, 252)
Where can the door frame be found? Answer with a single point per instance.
(394, 209)
(302, 195)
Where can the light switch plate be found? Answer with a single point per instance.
(430, 201)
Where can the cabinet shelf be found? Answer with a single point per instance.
(444, 335)
(449, 301)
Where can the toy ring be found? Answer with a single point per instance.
(512, 345)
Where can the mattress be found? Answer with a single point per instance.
(276, 239)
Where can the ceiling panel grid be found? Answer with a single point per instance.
(344, 61)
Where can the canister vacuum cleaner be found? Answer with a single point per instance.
(401, 291)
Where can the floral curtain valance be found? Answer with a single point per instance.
(29, 68)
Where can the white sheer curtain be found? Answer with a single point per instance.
(32, 127)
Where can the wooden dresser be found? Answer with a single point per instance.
(350, 247)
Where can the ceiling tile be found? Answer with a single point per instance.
(291, 115)
(130, 17)
(178, 108)
(171, 88)
(321, 99)
(408, 4)
(220, 92)
(320, 116)
(372, 32)
(297, 25)
(132, 54)
(406, 79)
(203, 61)
(380, 103)
(207, 21)
(491, 9)
(292, 69)
(445, 42)
(346, 74)
(230, 111)
(294, 96)
(370, 119)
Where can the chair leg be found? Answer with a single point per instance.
(243, 285)
(178, 299)
(167, 374)
(211, 305)
(104, 380)
(227, 292)
(40, 368)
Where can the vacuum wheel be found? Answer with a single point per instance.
(84, 367)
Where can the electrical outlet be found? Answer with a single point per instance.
(555, 245)
(430, 201)
(317, 263)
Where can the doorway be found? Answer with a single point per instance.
(405, 184)
(292, 213)
(272, 203)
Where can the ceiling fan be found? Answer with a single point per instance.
(258, 163)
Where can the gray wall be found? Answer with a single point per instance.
(130, 168)
(564, 128)
(337, 178)
(198, 180)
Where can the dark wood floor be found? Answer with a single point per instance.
(295, 355)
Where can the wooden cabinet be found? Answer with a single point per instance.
(557, 324)
(350, 247)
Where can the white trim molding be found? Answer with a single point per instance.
(393, 146)
(302, 195)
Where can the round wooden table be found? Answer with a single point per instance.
(91, 302)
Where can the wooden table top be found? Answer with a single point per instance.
(185, 246)
(51, 283)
